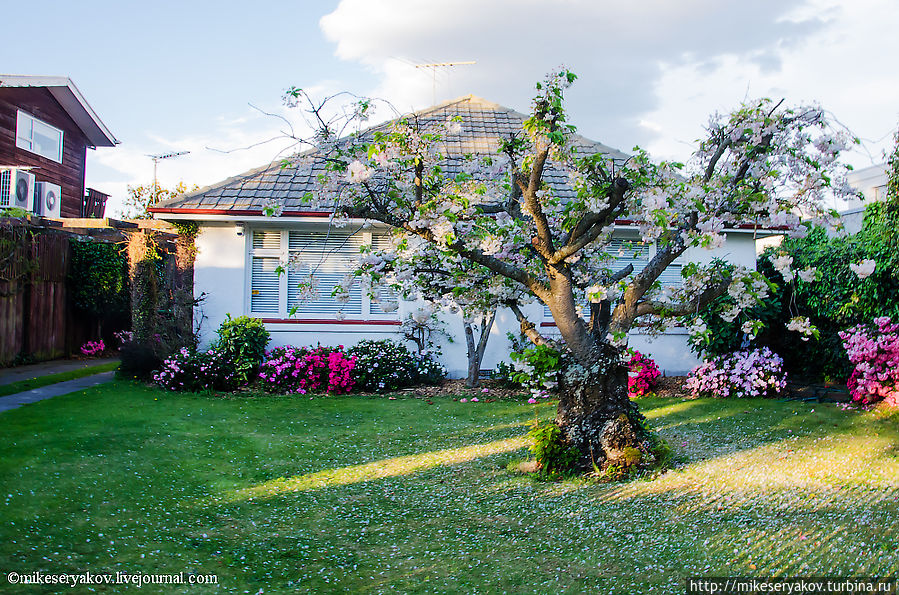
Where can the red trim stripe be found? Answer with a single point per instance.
(250, 213)
(236, 212)
(328, 321)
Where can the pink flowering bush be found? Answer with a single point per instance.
(875, 353)
(643, 375)
(93, 348)
(754, 373)
(307, 370)
(190, 370)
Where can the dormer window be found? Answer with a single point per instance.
(38, 137)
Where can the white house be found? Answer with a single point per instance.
(239, 250)
(872, 183)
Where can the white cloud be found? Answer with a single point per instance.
(847, 67)
(617, 48)
(650, 72)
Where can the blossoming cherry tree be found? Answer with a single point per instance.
(496, 216)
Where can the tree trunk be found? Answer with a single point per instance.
(597, 417)
(595, 414)
(476, 351)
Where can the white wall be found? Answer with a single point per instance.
(220, 274)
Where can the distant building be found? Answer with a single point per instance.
(872, 183)
(46, 127)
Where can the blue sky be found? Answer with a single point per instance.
(182, 75)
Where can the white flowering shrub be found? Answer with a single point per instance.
(385, 365)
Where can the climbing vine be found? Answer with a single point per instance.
(98, 278)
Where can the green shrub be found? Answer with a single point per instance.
(537, 368)
(138, 361)
(242, 342)
(98, 279)
(553, 455)
(836, 300)
(504, 374)
(191, 370)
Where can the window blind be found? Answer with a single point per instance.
(326, 257)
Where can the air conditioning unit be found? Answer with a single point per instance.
(16, 189)
(47, 200)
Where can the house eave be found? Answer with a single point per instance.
(252, 215)
(71, 100)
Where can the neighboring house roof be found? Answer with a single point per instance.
(483, 125)
(71, 100)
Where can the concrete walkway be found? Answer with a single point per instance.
(53, 390)
(10, 375)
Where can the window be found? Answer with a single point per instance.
(317, 258)
(38, 137)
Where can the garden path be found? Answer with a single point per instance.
(19, 373)
(54, 390)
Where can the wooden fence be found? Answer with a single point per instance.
(33, 308)
(37, 320)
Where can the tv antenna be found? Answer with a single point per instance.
(157, 158)
(435, 65)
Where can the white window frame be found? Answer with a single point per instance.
(27, 141)
(369, 311)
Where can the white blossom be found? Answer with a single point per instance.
(808, 275)
(357, 172)
(864, 269)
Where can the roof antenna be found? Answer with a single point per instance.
(157, 158)
(434, 66)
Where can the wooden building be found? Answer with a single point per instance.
(46, 127)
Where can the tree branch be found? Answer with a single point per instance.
(494, 264)
(532, 204)
(527, 327)
(710, 294)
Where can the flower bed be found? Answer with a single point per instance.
(874, 351)
(754, 373)
(303, 370)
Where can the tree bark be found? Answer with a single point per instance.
(597, 417)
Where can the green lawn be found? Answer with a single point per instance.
(39, 381)
(384, 496)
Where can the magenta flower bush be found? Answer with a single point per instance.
(307, 370)
(189, 370)
(93, 348)
(643, 375)
(754, 373)
(875, 353)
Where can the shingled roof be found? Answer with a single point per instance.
(483, 125)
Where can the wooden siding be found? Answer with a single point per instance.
(38, 102)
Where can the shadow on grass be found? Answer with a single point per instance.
(376, 470)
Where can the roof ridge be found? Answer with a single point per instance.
(471, 98)
(474, 101)
(52, 84)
